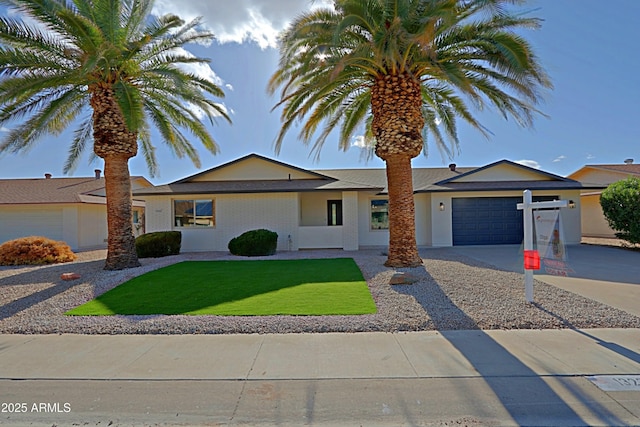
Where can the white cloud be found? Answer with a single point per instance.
(359, 142)
(4, 129)
(590, 156)
(529, 163)
(559, 159)
(228, 86)
(239, 21)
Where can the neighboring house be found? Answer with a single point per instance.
(594, 179)
(347, 208)
(69, 209)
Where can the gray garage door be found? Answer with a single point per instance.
(486, 221)
(17, 223)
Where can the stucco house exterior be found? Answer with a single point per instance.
(69, 209)
(347, 208)
(595, 178)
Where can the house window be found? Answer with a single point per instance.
(379, 214)
(194, 213)
(334, 212)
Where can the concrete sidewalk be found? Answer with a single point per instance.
(525, 377)
(431, 354)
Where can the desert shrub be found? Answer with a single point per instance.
(158, 244)
(254, 243)
(620, 203)
(35, 250)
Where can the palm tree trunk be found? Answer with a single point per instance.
(396, 105)
(113, 142)
(121, 249)
(403, 250)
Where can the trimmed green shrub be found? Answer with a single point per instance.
(35, 250)
(158, 244)
(254, 243)
(620, 203)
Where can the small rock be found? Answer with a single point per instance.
(402, 279)
(69, 276)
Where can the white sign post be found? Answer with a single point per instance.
(527, 207)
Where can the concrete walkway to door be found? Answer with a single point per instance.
(606, 274)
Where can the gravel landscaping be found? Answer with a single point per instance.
(452, 292)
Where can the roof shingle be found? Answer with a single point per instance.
(52, 190)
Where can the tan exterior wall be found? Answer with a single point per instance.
(294, 215)
(371, 238)
(92, 226)
(366, 236)
(594, 223)
(234, 214)
(504, 172)
(313, 207)
(350, 241)
(441, 222)
(254, 169)
(424, 236)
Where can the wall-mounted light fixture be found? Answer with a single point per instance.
(441, 206)
(572, 204)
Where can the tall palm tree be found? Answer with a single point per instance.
(113, 69)
(406, 69)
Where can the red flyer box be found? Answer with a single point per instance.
(531, 260)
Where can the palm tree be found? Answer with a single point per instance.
(113, 69)
(405, 69)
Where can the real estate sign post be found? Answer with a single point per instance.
(528, 207)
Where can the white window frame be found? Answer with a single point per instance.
(196, 226)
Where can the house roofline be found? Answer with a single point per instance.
(508, 162)
(291, 190)
(254, 156)
(478, 190)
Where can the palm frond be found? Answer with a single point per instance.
(465, 53)
(81, 136)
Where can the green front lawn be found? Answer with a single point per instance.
(240, 288)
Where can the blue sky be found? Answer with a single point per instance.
(589, 48)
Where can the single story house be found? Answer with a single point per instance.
(348, 208)
(594, 179)
(69, 209)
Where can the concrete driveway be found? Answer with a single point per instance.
(606, 274)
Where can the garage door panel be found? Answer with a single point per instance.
(16, 224)
(486, 221)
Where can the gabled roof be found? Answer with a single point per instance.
(546, 175)
(304, 180)
(423, 178)
(632, 169)
(598, 177)
(257, 186)
(55, 190)
(374, 180)
(244, 159)
(626, 169)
